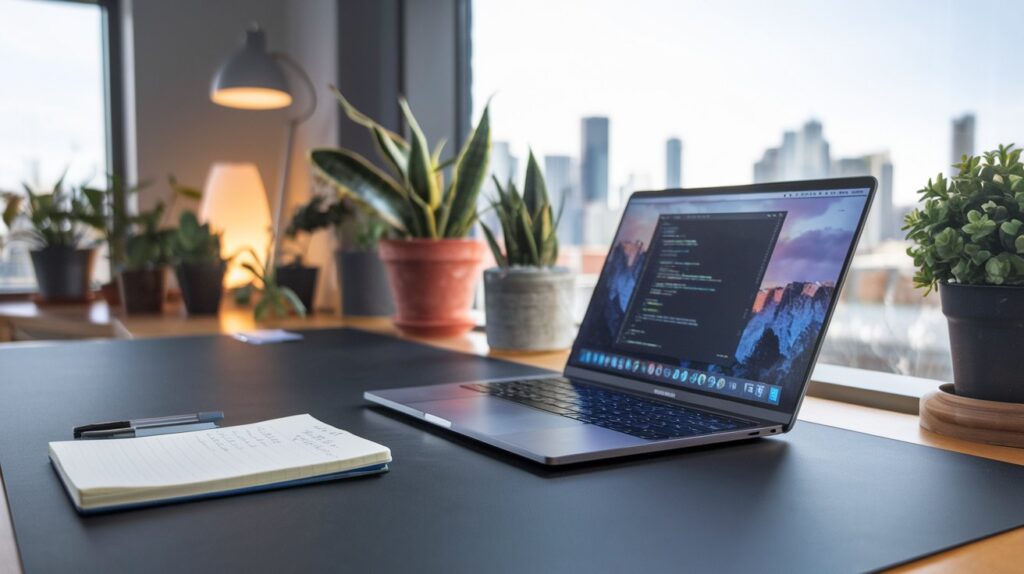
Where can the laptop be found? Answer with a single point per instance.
(703, 327)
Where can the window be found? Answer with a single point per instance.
(616, 96)
(52, 106)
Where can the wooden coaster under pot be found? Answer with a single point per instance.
(992, 422)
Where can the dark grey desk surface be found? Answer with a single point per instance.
(817, 500)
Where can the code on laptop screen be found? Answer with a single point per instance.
(725, 294)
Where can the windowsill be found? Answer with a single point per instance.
(877, 389)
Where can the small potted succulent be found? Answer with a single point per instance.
(61, 255)
(527, 298)
(198, 265)
(969, 242)
(361, 275)
(432, 266)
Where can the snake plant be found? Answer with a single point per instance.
(528, 222)
(414, 198)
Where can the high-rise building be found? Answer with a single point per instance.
(963, 137)
(883, 221)
(594, 165)
(560, 174)
(803, 154)
(674, 162)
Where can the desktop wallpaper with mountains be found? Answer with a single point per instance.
(777, 344)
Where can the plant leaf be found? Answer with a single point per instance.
(366, 121)
(420, 172)
(470, 172)
(499, 257)
(354, 174)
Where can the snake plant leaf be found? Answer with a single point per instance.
(499, 257)
(420, 174)
(526, 231)
(470, 172)
(435, 157)
(535, 193)
(395, 156)
(366, 121)
(427, 220)
(353, 173)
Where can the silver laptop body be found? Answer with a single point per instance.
(712, 302)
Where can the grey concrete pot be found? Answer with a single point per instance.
(529, 308)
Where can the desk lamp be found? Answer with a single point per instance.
(254, 79)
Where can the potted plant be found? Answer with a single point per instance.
(968, 241)
(106, 210)
(296, 275)
(361, 275)
(432, 265)
(61, 258)
(198, 265)
(528, 300)
(143, 279)
(275, 300)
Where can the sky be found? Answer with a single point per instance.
(52, 100)
(729, 76)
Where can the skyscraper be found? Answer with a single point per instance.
(674, 162)
(803, 154)
(963, 137)
(883, 222)
(594, 167)
(560, 174)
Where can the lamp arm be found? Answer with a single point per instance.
(293, 123)
(310, 88)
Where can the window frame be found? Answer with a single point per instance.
(112, 49)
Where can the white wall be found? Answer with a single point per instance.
(178, 45)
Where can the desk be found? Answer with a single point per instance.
(999, 553)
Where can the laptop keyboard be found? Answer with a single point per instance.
(622, 412)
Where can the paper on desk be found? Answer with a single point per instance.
(266, 336)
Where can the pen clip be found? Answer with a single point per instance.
(101, 427)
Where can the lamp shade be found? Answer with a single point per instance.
(235, 205)
(251, 78)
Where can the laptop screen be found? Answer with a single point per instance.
(721, 293)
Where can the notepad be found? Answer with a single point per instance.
(124, 473)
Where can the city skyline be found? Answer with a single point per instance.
(893, 93)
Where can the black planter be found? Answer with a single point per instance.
(986, 334)
(364, 284)
(63, 273)
(143, 290)
(201, 287)
(300, 279)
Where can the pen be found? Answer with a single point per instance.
(120, 429)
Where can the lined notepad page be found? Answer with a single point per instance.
(299, 443)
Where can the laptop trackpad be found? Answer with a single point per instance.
(492, 415)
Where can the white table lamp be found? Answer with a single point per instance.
(235, 205)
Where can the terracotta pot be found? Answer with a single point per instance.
(433, 283)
